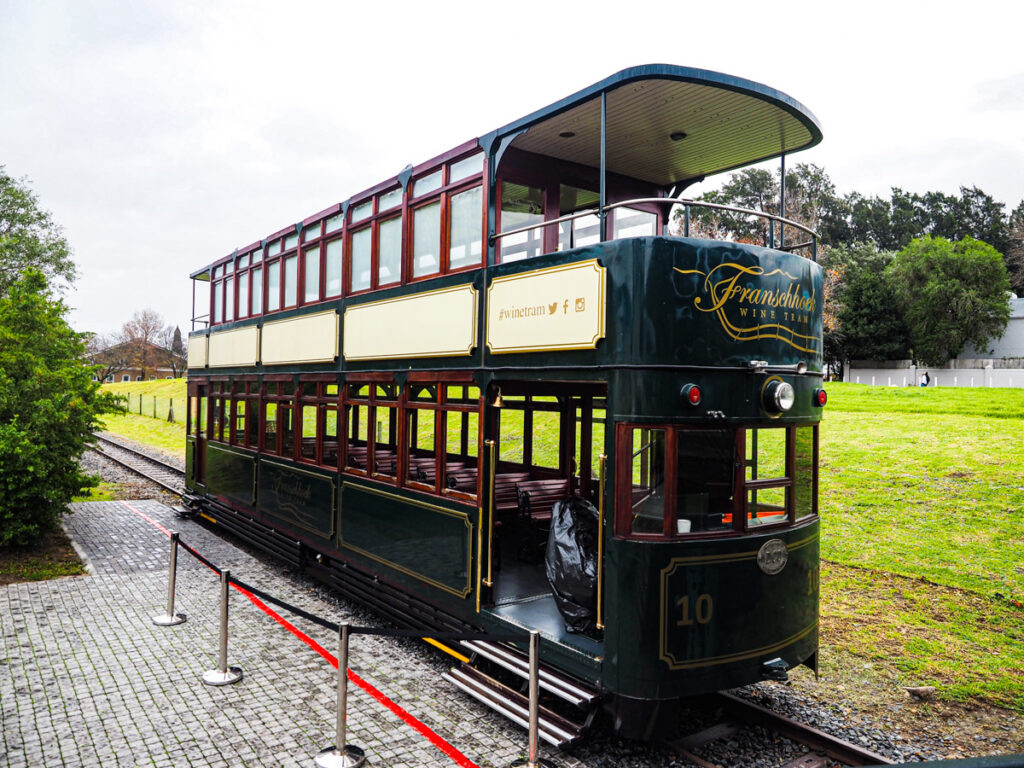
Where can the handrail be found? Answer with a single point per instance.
(685, 202)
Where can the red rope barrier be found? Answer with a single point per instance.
(409, 719)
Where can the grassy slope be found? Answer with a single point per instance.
(922, 492)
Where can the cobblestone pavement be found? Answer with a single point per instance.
(86, 678)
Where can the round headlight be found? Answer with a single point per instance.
(779, 396)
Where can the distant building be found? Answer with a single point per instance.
(121, 363)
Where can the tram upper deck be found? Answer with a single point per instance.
(430, 265)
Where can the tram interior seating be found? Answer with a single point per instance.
(536, 500)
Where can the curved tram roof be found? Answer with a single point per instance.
(665, 124)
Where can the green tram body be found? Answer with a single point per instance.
(709, 574)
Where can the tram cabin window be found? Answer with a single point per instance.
(684, 481)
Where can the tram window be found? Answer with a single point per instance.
(766, 454)
(426, 184)
(291, 281)
(426, 240)
(243, 294)
(465, 240)
(362, 211)
(229, 299)
(766, 506)
(385, 440)
(647, 495)
(274, 286)
(544, 433)
(804, 462)
(361, 255)
(630, 222)
(334, 223)
(312, 275)
(521, 206)
(291, 241)
(218, 302)
(286, 418)
(389, 251)
(581, 231)
(257, 290)
(270, 427)
(511, 429)
(332, 268)
(466, 167)
(307, 423)
(238, 431)
(389, 200)
(704, 479)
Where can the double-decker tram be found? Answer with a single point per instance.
(494, 392)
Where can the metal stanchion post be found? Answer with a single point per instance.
(171, 618)
(223, 675)
(341, 755)
(533, 761)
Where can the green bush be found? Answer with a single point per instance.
(49, 407)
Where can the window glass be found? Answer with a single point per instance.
(229, 268)
(426, 244)
(257, 290)
(361, 211)
(704, 479)
(803, 472)
(361, 259)
(766, 454)
(274, 286)
(307, 431)
(389, 200)
(257, 256)
(312, 232)
(312, 276)
(463, 169)
(357, 415)
(291, 281)
(389, 252)
(290, 241)
(270, 427)
(274, 247)
(465, 244)
(243, 294)
(243, 261)
(629, 222)
(218, 272)
(648, 488)
(334, 223)
(218, 302)
(385, 440)
(422, 446)
(229, 299)
(521, 206)
(239, 432)
(332, 269)
(427, 183)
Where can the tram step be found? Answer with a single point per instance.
(552, 728)
(550, 681)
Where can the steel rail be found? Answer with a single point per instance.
(816, 740)
(177, 489)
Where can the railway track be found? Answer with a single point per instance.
(166, 476)
(824, 750)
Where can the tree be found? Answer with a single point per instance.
(49, 408)
(1014, 253)
(176, 353)
(950, 294)
(865, 325)
(142, 337)
(29, 237)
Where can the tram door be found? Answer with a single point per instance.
(548, 442)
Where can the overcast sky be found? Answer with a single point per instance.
(163, 135)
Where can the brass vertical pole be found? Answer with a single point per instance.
(600, 543)
(490, 515)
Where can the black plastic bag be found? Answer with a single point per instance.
(571, 562)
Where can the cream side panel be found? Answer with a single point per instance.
(239, 346)
(306, 339)
(547, 309)
(198, 351)
(436, 324)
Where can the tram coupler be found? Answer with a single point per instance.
(775, 669)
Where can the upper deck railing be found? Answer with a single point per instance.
(687, 205)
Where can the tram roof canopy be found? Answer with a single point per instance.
(667, 124)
